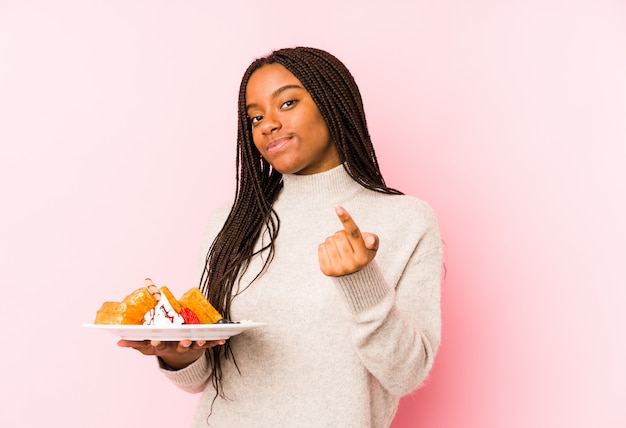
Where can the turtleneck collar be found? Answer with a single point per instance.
(329, 187)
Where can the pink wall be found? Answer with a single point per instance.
(117, 124)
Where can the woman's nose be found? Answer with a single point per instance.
(271, 123)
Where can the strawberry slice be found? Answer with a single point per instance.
(189, 316)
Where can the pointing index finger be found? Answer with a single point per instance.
(348, 223)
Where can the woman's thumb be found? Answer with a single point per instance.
(371, 241)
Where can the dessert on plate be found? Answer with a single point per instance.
(151, 305)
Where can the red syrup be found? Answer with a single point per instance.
(163, 311)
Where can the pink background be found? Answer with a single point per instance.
(117, 129)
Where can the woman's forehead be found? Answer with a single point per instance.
(269, 81)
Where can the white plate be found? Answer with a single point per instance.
(177, 332)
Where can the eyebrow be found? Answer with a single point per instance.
(276, 93)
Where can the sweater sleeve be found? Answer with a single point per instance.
(192, 378)
(396, 328)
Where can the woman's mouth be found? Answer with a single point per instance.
(277, 145)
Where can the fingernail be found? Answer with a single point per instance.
(339, 210)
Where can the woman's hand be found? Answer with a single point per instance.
(176, 355)
(348, 250)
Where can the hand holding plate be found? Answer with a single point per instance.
(176, 355)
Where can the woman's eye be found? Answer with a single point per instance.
(289, 103)
(255, 119)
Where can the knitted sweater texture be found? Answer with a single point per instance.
(336, 352)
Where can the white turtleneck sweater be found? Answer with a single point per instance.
(336, 352)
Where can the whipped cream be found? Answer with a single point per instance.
(163, 314)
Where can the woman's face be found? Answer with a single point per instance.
(287, 127)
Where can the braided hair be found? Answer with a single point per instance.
(338, 99)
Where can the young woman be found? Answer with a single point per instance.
(344, 270)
